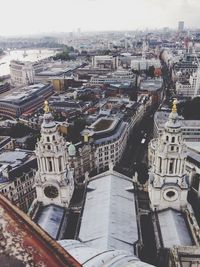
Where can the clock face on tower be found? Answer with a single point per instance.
(170, 194)
(51, 191)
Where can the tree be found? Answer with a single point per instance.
(190, 109)
(31, 142)
(64, 55)
(74, 130)
(19, 130)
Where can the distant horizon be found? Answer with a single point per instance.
(28, 17)
(53, 33)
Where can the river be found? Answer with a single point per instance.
(31, 55)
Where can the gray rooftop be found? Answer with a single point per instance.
(115, 135)
(50, 219)
(14, 158)
(193, 155)
(109, 216)
(23, 93)
(161, 118)
(174, 229)
(151, 85)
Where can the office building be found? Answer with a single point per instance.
(17, 175)
(25, 101)
(180, 26)
(21, 73)
(109, 136)
(105, 62)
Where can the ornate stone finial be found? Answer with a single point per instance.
(46, 106)
(174, 106)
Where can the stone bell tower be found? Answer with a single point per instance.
(168, 183)
(54, 179)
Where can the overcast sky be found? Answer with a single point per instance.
(37, 16)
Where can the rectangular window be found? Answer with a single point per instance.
(50, 167)
(171, 165)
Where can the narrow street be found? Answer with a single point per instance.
(135, 156)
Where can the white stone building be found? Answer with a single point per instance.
(109, 136)
(105, 62)
(21, 73)
(144, 64)
(190, 88)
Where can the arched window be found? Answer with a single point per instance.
(48, 139)
(53, 137)
(167, 138)
(173, 139)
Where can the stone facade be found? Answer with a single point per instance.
(168, 185)
(54, 180)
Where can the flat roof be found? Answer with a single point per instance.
(195, 146)
(161, 117)
(23, 93)
(50, 218)
(151, 85)
(174, 230)
(102, 124)
(14, 158)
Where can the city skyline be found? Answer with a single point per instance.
(34, 17)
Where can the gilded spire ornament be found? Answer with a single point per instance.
(174, 106)
(46, 106)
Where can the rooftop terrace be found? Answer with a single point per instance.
(102, 125)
